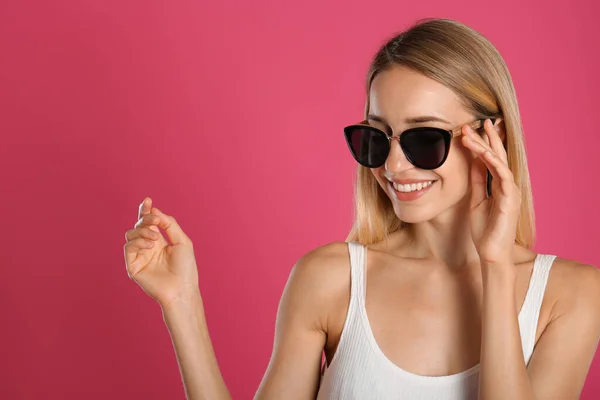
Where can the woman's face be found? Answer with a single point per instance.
(398, 95)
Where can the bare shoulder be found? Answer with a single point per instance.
(324, 260)
(564, 352)
(322, 268)
(320, 276)
(577, 286)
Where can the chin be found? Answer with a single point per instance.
(415, 215)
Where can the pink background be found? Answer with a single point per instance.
(229, 115)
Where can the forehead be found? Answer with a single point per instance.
(400, 92)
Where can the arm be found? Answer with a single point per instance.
(566, 348)
(564, 352)
(300, 333)
(186, 323)
(294, 368)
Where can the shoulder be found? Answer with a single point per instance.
(319, 278)
(567, 345)
(577, 287)
(324, 259)
(323, 266)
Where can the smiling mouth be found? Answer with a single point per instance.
(412, 187)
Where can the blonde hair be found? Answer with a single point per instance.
(466, 62)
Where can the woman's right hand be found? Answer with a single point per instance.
(164, 271)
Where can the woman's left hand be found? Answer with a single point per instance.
(493, 219)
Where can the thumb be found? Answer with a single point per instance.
(478, 182)
(174, 232)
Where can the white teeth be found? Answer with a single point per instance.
(411, 187)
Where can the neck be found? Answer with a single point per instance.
(446, 238)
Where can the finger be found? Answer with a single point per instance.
(135, 245)
(471, 135)
(497, 167)
(500, 172)
(480, 147)
(475, 143)
(171, 227)
(147, 220)
(143, 232)
(486, 140)
(478, 182)
(494, 139)
(145, 207)
(132, 251)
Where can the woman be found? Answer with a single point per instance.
(435, 293)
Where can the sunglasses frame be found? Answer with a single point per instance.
(452, 133)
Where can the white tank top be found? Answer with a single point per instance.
(360, 370)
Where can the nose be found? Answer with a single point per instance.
(396, 161)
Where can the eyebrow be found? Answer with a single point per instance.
(412, 120)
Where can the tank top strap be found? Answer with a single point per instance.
(530, 313)
(357, 273)
(350, 342)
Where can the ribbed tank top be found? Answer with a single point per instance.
(360, 370)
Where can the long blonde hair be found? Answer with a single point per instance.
(466, 62)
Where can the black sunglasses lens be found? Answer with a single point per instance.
(426, 148)
(369, 147)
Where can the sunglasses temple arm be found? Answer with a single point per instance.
(474, 125)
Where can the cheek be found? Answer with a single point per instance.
(456, 169)
(383, 183)
(377, 175)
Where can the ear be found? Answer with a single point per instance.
(501, 128)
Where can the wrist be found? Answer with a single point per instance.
(499, 272)
(185, 301)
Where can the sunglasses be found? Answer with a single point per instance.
(424, 147)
